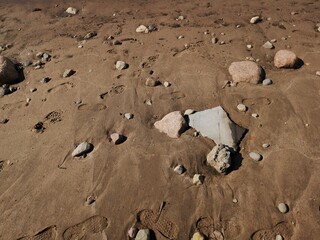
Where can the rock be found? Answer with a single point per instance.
(143, 234)
(39, 54)
(4, 90)
(273, 40)
(215, 124)
(8, 72)
(172, 124)
(180, 18)
(68, 73)
(121, 65)
(268, 45)
(33, 89)
(45, 80)
(166, 84)
(214, 40)
(132, 233)
(152, 82)
(285, 59)
(255, 156)
(180, 169)
(283, 207)
(198, 179)
(279, 237)
(197, 236)
(266, 82)
(128, 116)
(255, 115)
(72, 10)
(241, 107)
(249, 46)
(318, 73)
(81, 149)
(245, 71)
(255, 19)
(90, 35)
(142, 29)
(152, 28)
(189, 111)
(117, 138)
(234, 200)
(265, 145)
(220, 158)
(27, 63)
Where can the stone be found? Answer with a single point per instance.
(152, 82)
(197, 236)
(255, 115)
(143, 234)
(45, 80)
(318, 73)
(255, 156)
(255, 19)
(180, 169)
(117, 138)
(235, 200)
(249, 46)
(241, 107)
(68, 73)
(166, 84)
(27, 63)
(285, 59)
(220, 158)
(198, 179)
(189, 111)
(121, 65)
(265, 145)
(72, 10)
(273, 40)
(268, 45)
(90, 35)
(33, 89)
(214, 40)
(39, 54)
(283, 208)
(128, 116)
(245, 71)
(142, 29)
(266, 82)
(152, 28)
(81, 149)
(132, 232)
(279, 237)
(8, 72)
(215, 124)
(172, 124)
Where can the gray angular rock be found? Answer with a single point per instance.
(8, 72)
(172, 124)
(220, 158)
(143, 234)
(81, 149)
(245, 71)
(268, 45)
(285, 59)
(215, 124)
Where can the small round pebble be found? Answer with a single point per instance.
(283, 207)
(265, 145)
(241, 107)
(266, 82)
(279, 237)
(255, 156)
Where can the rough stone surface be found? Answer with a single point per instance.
(245, 71)
(220, 158)
(215, 124)
(143, 234)
(8, 72)
(255, 156)
(121, 65)
(142, 29)
(283, 207)
(198, 179)
(285, 59)
(72, 10)
(173, 124)
(81, 149)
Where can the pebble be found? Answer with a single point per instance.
(180, 37)
(152, 82)
(90, 35)
(117, 138)
(273, 40)
(234, 200)
(68, 73)
(72, 10)
(189, 111)
(214, 40)
(268, 45)
(128, 116)
(266, 82)
(279, 237)
(255, 156)
(33, 89)
(46, 56)
(265, 145)
(132, 232)
(39, 54)
(241, 107)
(283, 207)
(148, 102)
(180, 18)
(143, 234)
(81, 149)
(318, 73)
(142, 29)
(121, 65)
(249, 46)
(28, 100)
(255, 115)
(180, 169)
(45, 80)
(27, 63)
(255, 19)
(198, 179)
(222, 43)
(166, 84)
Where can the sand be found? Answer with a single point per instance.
(43, 188)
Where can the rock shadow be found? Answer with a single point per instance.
(298, 64)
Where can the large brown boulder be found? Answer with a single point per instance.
(8, 72)
(285, 59)
(246, 71)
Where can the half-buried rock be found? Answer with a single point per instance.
(246, 71)
(8, 72)
(82, 149)
(285, 59)
(220, 158)
(215, 124)
(173, 124)
(117, 138)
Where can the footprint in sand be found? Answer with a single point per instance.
(49, 233)
(65, 85)
(92, 225)
(157, 222)
(284, 229)
(205, 226)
